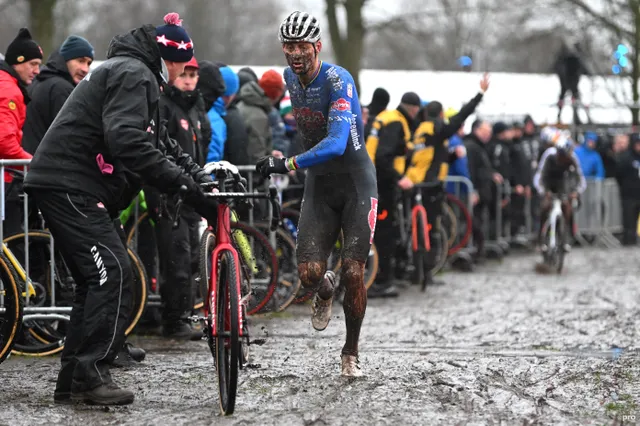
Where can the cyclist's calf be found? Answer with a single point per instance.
(355, 303)
(312, 278)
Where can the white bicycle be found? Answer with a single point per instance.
(555, 234)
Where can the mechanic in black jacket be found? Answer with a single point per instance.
(521, 179)
(628, 177)
(65, 68)
(178, 249)
(103, 144)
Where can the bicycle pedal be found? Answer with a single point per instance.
(195, 319)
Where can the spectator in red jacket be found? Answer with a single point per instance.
(19, 68)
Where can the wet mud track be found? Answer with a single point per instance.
(500, 346)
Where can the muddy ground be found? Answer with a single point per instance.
(500, 346)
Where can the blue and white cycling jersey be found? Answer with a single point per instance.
(329, 120)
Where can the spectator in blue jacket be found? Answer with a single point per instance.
(460, 166)
(218, 112)
(590, 160)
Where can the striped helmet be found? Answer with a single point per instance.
(299, 27)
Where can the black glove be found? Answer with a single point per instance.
(270, 164)
(208, 208)
(202, 177)
(194, 193)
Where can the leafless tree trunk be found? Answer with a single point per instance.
(42, 23)
(348, 43)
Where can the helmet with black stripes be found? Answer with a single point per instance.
(299, 27)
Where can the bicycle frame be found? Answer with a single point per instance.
(419, 211)
(223, 243)
(556, 212)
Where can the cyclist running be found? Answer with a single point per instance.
(559, 172)
(341, 189)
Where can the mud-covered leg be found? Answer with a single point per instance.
(355, 303)
(313, 277)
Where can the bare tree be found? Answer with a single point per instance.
(621, 20)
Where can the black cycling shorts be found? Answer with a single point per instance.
(347, 202)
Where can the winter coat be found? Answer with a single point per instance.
(106, 140)
(458, 167)
(13, 110)
(628, 174)
(218, 131)
(278, 131)
(590, 162)
(179, 113)
(48, 92)
(255, 107)
(235, 148)
(480, 168)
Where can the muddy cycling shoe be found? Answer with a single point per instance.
(351, 366)
(322, 308)
(108, 394)
(181, 331)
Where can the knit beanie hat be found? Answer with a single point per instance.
(285, 105)
(231, 81)
(174, 42)
(272, 83)
(76, 47)
(22, 49)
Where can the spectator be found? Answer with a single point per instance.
(17, 71)
(569, 68)
(273, 85)
(246, 75)
(460, 165)
(388, 140)
(590, 160)
(483, 177)
(379, 103)
(628, 177)
(217, 113)
(65, 68)
(255, 106)
(521, 180)
(211, 86)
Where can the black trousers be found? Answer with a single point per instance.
(630, 211)
(387, 231)
(178, 252)
(432, 199)
(93, 249)
(13, 209)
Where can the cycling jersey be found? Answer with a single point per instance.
(341, 189)
(329, 120)
(558, 177)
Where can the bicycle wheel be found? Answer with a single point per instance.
(226, 333)
(139, 290)
(42, 337)
(288, 280)
(450, 223)
(465, 226)
(443, 250)
(10, 307)
(558, 258)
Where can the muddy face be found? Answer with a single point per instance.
(300, 57)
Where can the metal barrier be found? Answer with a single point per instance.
(457, 182)
(22, 267)
(600, 214)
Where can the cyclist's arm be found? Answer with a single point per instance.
(338, 128)
(582, 182)
(539, 178)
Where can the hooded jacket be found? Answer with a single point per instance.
(480, 168)
(255, 106)
(628, 174)
(48, 93)
(179, 110)
(107, 139)
(218, 131)
(590, 162)
(13, 110)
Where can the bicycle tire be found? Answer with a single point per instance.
(452, 200)
(11, 324)
(444, 250)
(227, 323)
(450, 223)
(42, 340)
(560, 247)
(288, 281)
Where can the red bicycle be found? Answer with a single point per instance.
(226, 288)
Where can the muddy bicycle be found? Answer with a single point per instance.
(226, 282)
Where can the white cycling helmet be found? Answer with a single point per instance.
(548, 134)
(299, 27)
(564, 145)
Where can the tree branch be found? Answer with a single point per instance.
(621, 32)
(334, 29)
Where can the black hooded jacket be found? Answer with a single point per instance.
(48, 92)
(107, 138)
(180, 113)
